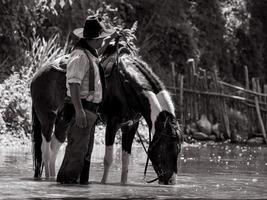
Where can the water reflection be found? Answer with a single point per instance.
(204, 171)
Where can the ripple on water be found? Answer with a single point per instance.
(209, 171)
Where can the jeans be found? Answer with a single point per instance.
(76, 163)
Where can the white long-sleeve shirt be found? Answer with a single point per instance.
(78, 72)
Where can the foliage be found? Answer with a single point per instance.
(217, 33)
(236, 26)
(42, 52)
(208, 30)
(20, 21)
(163, 35)
(222, 34)
(254, 43)
(15, 113)
(15, 101)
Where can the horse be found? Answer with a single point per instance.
(133, 90)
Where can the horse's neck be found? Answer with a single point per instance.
(166, 102)
(157, 103)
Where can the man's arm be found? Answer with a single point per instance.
(80, 115)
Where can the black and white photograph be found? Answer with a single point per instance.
(133, 99)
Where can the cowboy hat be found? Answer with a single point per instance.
(93, 29)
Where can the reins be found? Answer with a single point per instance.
(147, 160)
(151, 147)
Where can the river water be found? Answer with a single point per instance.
(213, 171)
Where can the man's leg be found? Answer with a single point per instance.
(84, 178)
(76, 150)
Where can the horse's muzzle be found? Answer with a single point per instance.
(170, 181)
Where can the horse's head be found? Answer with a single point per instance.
(164, 149)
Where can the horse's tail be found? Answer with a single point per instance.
(36, 145)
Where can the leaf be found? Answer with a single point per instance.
(134, 27)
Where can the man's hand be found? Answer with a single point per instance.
(80, 119)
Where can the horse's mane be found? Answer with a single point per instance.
(140, 73)
(156, 83)
(135, 69)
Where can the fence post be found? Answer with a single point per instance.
(194, 82)
(254, 85)
(174, 77)
(202, 98)
(206, 88)
(196, 96)
(190, 65)
(265, 102)
(249, 110)
(222, 106)
(246, 77)
(181, 100)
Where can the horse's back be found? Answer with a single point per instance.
(48, 86)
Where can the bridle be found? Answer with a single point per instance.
(152, 145)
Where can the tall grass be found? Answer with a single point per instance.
(15, 101)
(42, 52)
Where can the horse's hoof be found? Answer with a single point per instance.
(52, 178)
(84, 182)
(37, 178)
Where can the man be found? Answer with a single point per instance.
(85, 85)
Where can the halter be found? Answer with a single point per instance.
(160, 173)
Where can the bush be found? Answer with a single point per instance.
(15, 100)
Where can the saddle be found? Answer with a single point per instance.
(60, 64)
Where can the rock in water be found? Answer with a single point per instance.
(215, 129)
(200, 136)
(204, 125)
(256, 140)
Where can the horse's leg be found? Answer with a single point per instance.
(55, 146)
(37, 142)
(60, 134)
(128, 133)
(47, 130)
(57, 140)
(111, 129)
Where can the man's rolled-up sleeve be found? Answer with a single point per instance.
(76, 68)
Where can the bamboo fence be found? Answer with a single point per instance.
(198, 92)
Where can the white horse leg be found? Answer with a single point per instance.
(108, 158)
(125, 165)
(55, 146)
(46, 154)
